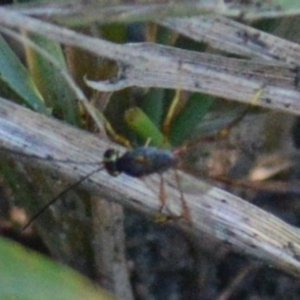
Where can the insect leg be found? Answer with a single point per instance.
(222, 133)
(162, 194)
(185, 214)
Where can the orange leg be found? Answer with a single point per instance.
(185, 214)
(162, 194)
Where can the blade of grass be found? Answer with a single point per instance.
(42, 278)
(193, 112)
(16, 77)
(146, 130)
(54, 88)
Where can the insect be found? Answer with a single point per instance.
(139, 162)
(143, 161)
(146, 160)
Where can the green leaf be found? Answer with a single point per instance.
(153, 104)
(16, 77)
(140, 123)
(27, 275)
(48, 78)
(190, 116)
(286, 4)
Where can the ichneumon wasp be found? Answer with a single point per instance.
(138, 162)
(143, 161)
(222, 207)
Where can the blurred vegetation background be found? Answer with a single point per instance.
(129, 254)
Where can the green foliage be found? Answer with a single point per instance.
(148, 126)
(27, 275)
(49, 80)
(189, 117)
(15, 76)
(143, 126)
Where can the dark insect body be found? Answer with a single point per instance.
(139, 162)
(142, 161)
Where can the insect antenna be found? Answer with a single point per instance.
(221, 134)
(48, 158)
(72, 186)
